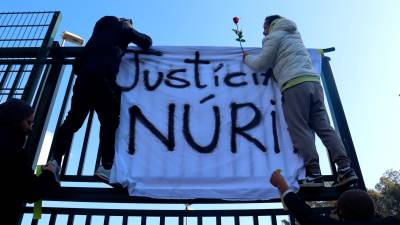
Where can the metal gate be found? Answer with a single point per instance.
(37, 69)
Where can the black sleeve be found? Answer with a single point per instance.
(304, 214)
(35, 187)
(134, 36)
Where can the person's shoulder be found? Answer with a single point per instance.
(273, 37)
(277, 34)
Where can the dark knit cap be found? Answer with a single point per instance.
(13, 111)
(355, 205)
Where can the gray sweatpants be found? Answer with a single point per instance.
(305, 114)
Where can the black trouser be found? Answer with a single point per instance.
(91, 92)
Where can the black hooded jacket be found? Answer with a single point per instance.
(19, 183)
(306, 216)
(103, 52)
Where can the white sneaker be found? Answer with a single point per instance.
(312, 181)
(103, 174)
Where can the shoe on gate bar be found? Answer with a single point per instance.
(313, 180)
(345, 176)
(103, 174)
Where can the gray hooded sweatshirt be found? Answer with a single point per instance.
(284, 51)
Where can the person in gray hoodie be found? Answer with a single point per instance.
(302, 98)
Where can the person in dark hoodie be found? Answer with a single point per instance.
(20, 185)
(353, 207)
(95, 87)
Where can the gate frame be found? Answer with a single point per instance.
(49, 61)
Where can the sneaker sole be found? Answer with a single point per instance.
(346, 181)
(311, 185)
(103, 178)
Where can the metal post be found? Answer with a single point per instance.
(44, 51)
(339, 118)
(45, 107)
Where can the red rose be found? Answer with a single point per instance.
(236, 20)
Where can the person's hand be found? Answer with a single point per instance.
(244, 55)
(278, 181)
(53, 167)
(50, 167)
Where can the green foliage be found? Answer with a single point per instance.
(387, 194)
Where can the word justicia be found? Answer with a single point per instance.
(243, 119)
(176, 78)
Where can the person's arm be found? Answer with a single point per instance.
(301, 211)
(140, 39)
(35, 187)
(263, 61)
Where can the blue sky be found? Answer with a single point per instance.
(364, 33)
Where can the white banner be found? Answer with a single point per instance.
(197, 123)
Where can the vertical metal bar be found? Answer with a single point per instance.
(45, 107)
(65, 161)
(8, 81)
(65, 100)
(28, 30)
(218, 220)
(17, 79)
(43, 25)
(37, 63)
(71, 218)
(5, 31)
(88, 219)
(143, 220)
(273, 220)
(37, 28)
(255, 220)
(237, 220)
(106, 219)
(34, 222)
(42, 83)
(52, 220)
(16, 28)
(199, 220)
(40, 28)
(98, 158)
(7, 35)
(85, 143)
(162, 220)
(2, 19)
(125, 220)
(31, 28)
(180, 220)
(13, 30)
(67, 154)
(339, 118)
(61, 114)
(29, 91)
(19, 31)
(4, 78)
